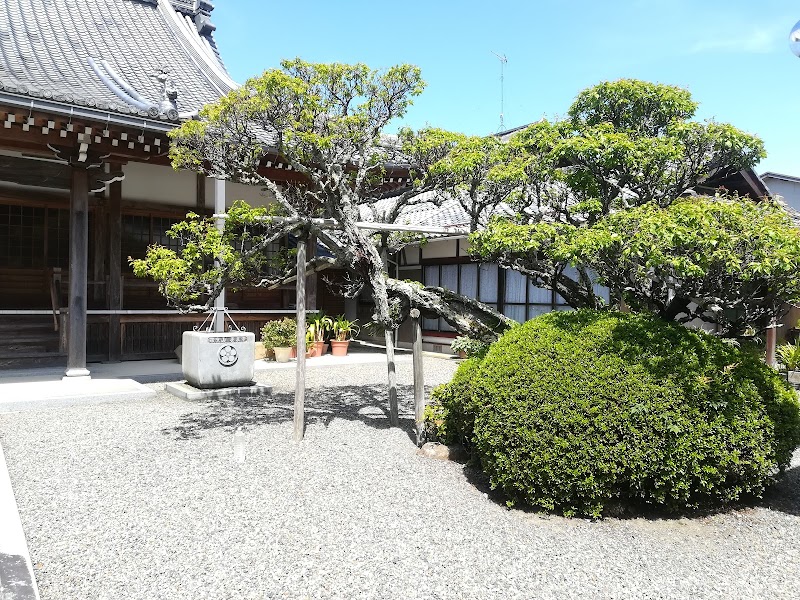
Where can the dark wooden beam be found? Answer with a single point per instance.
(114, 285)
(78, 273)
(311, 279)
(200, 197)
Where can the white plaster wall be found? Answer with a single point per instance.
(236, 191)
(158, 184)
(163, 185)
(412, 255)
(788, 190)
(439, 249)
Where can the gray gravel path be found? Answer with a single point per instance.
(144, 500)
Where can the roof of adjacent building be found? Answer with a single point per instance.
(145, 58)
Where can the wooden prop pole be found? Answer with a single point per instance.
(300, 384)
(772, 338)
(419, 378)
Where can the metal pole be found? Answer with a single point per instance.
(219, 209)
(300, 381)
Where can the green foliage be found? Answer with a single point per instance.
(469, 346)
(325, 116)
(574, 409)
(279, 333)
(625, 144)
(318, 325)
(208, 258)
(343, 329)
(789, 355)
(735, 259)
(730, 261)
(453, 406)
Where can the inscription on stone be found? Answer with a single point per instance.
(227, 340)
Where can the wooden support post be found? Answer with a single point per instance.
(772, 338)
(311, 280)
(388, 336)
(419, 376)
(394, 417)
(114, 286)
(219, 208)
(101, 235)
(300, 385)
(78, 272)
(200, 195)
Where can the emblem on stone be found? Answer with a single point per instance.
(228, 356)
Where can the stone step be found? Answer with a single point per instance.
(26, 360)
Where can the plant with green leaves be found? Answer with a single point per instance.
(344, 330)
(467, 345)
(624, 145)
(318, 325)
(789, 355)
(728, 261)
(573, 410)
(279, 333)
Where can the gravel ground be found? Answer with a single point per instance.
(144, 500)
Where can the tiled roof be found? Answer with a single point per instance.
(429, 209)
(107, 55)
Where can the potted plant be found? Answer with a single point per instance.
(318, 326)
(343, 332)
(789, 355)
(466, 346)
(279, 336)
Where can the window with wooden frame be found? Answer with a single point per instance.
(512, 292)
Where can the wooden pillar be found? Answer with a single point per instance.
(219, 208)
(311, 279)
(419, 376)
(200, 195)
(100, 241)
(114, 285)
(78, 272)
(772, 338)
(394, 416)
(300, 383)
(388, 336)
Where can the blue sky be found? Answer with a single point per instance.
(733, 56)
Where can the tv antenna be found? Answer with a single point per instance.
(503, 60)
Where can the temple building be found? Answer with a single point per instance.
(88, 92)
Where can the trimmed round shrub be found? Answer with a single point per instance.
(574, 409)
(451, 415)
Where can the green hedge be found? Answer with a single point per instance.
(574, 409)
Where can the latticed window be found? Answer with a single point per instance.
(22, 236)
(512, 292)
(140, 231)
(58, 237)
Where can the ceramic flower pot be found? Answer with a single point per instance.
(339, 348)
(283, 355)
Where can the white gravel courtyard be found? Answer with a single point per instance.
(144, 500)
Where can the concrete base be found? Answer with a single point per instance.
(189, 392)
(77, 374)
